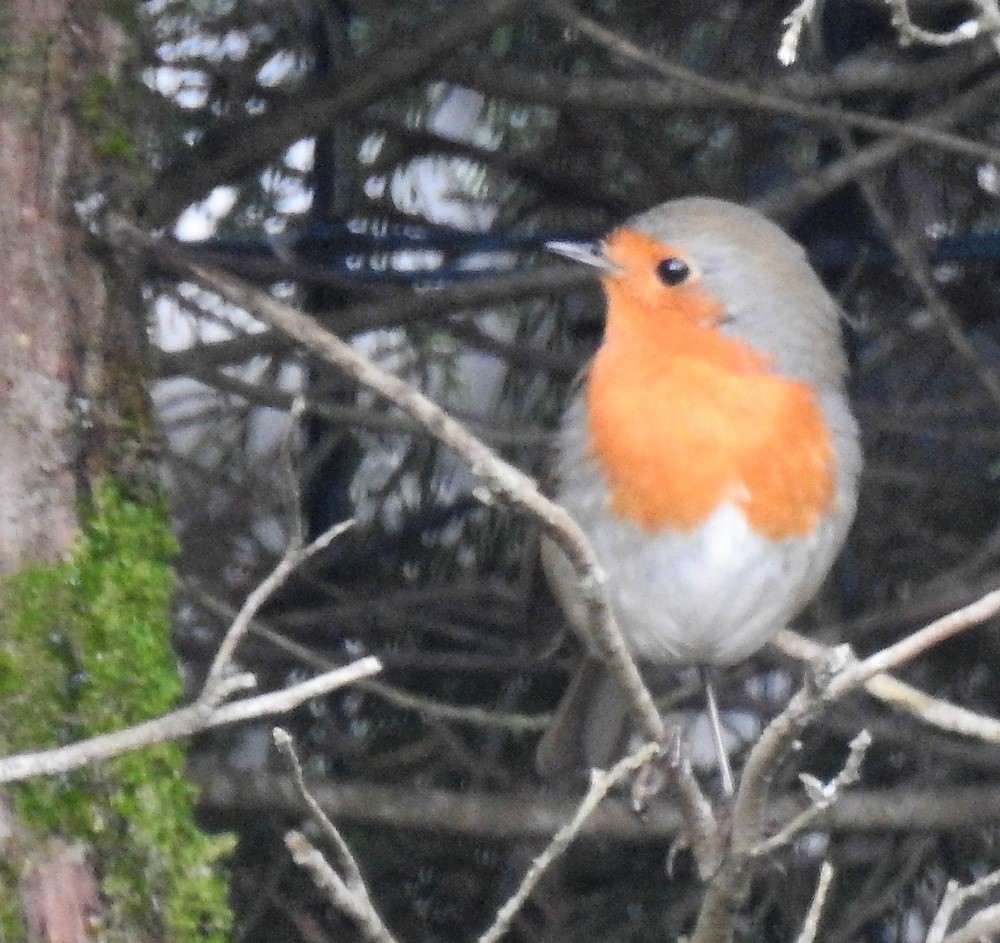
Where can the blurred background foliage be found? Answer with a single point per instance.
(394, 169)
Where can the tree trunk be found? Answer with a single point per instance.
(57, 315)
(52, 303)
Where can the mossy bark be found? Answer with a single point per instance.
(85, 547)
(84, 649)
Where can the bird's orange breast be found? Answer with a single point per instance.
(682, 418)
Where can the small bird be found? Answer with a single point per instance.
(709, 453)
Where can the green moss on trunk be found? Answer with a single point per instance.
(85, 649)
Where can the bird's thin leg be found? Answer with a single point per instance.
(715, 722)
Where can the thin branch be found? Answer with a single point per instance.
(499, 478)
(293, 558)
(345, 884)
(838, 674)
(355, 417)
(964, 32)
(743, 97)
(913, 258)
(916, 644)
(954, 897)
(794, 23)
(942, 919)
(904, 697)
(201, 356)
(810, 926)
(177, 724)
(361, 910)
(789, 199)
(821, 796)
(630, 94)
(285, 746)
(601, 783)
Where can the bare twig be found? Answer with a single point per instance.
(601, 783)
(794, 23)
(325, 877)
(891, 691)
(810, 926)
(344, 883)
(821, 795)
(177, 724)
(837, 675)
(988, 21)
(916, 644)
(727, 891)
(293, 558)
(954, 897)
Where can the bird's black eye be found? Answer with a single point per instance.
(672, 271)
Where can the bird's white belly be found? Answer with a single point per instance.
(714, 594)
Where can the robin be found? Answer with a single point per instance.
(709, 453)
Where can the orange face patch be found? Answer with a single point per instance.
(683, 418)
(639, 290)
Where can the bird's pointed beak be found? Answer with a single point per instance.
(587, 253)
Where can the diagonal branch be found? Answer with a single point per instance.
(499, 478)
(916, 644)
(291, 561)
(601, 784)
(837, 675)
(888, 689)
(345, 884)
(177, 724)
(810, 925)
(787, 200)
(742, 97)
